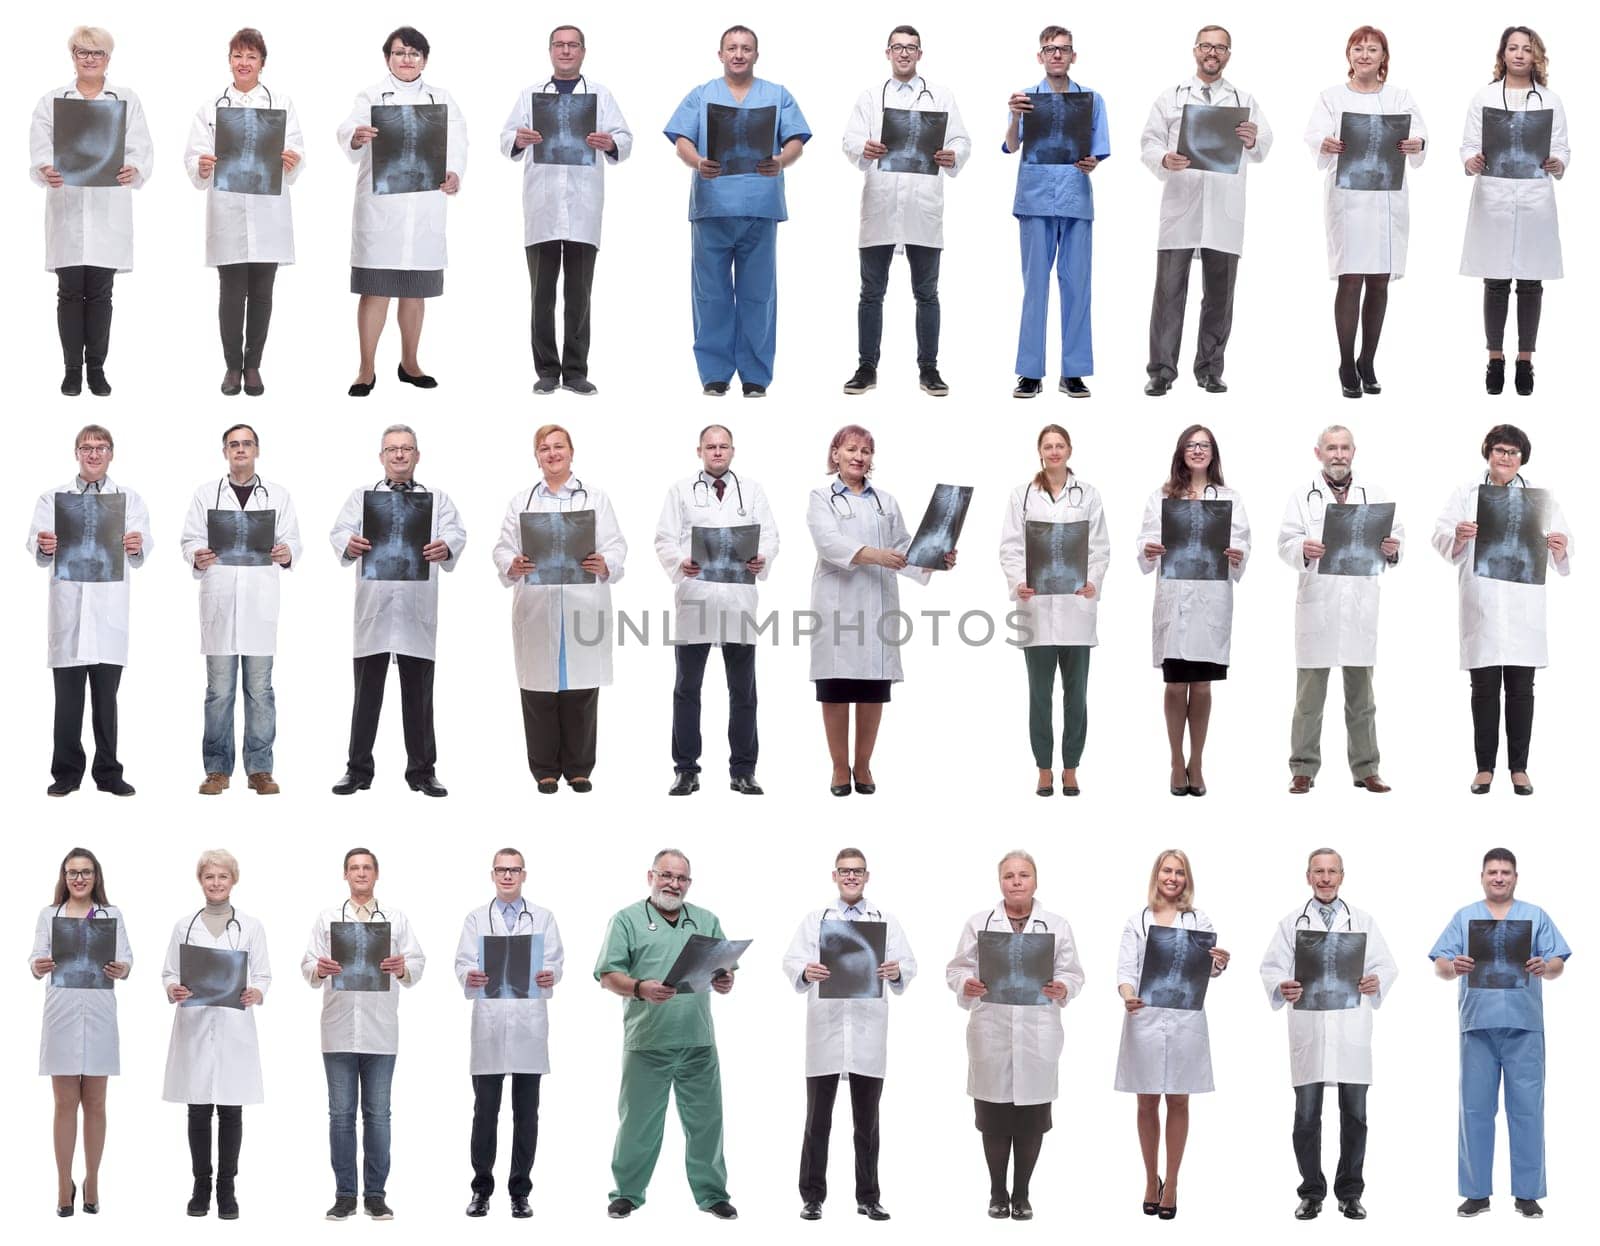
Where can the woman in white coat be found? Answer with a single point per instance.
(88, 230)
(213, 1059)
(1502, 622)
(1367, 229)
(1512, 230)
(561, 632)
(1164, 1051)
(249, 232)
(78, 1048)
(1055, 629)
(1014, 1053)
(1192, 623)
(861, 542)
(397, 245)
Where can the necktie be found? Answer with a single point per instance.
(721, 486)
(401, 486)
(1205, 94)
(1327, 915)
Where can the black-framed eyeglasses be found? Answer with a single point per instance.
(93, 451)
(79, 876)
(1506, 452)
(91, 54)
(1220, 49)
(1197, 445)
(1056, 49)
(508, 871)
(850, 871)
(904, 49)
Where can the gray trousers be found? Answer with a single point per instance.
(1360, 721)
(1218, 271)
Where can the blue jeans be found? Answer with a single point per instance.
(260, 713)
(349, 1072)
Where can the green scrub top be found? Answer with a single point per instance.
(631, 947)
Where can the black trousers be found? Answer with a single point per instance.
(244, 310)
(560, 730)
(1486, 681)
(67, 758)
(739, 666)
(545, 263)
(230, 1134)
(924, 262)
(1496, 304)
(83, 314)
(865, 1092)
(1218, 272)
(1347, 1181)
(486, 1090)
(416, 713)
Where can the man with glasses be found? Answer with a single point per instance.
(847, 1037)
(668, 1045)
(87, 628)
(902, 210)
(397, 617)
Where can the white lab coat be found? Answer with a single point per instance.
(508, 1035)
(853, 603)
(1367, 229)
(1335, 616)
(1328, 1047)
(91, 225)
(901, 208)
(245, 229)
(846, 1035)
(1164, 1051)
(1512, 229)
(213, 1056)
(561, 200)
(1500, 623)
(1058, 618)
(88, 623)
(706, 613)
(1193, 619)
(79, 1036)
(1198, 208)
(542, 613)
(398, 616)
(1014, 1053)
(239, 605)
(400, 231)
(365, 1022)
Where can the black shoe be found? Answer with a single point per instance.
(349, 784)
(422, 381)
(1167, 1213)
(620, 1208)
(520, 1209)
(686, 783)
(1369, 378)
(360, 389)
(232, 382)
(121, 787)
(1349, 383)
(548, 787)
(1192, 790)
(711, 389)
(428, 786)
(1351, 1209)
(1071, 791)
(752, 390)
(839, 789)
(745, 785)
(343, 1208)
(580, 785)
(227, 1204)
(1156, 386)
(65, 1209)
(62, 787)
(872, 1211)
(375, 1207)
(1480, 789)
(999, 1209)
(1525, 1207)
(1522, 789)
(1494, 377)
(200, 1201)
(1524, 384)
(546, 385)
(101, 388)
(1047, 789)
(931, 382)
(253, 388)
(1211, 384)
(1472, 1207)
(1072, 387)
(1154, 1205)
(584, 388)
(91, 1209)
(1021, 1209)
(1027, 387)
(479, 1206)
(811, 1211)
(865, 378)
(865, 789)
(1309, 1209)
(722, 1211)
(72, 382)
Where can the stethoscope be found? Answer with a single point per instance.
(1144, 920)
(1189, 88)
(1040, 926)
(97, 485)
(702, 491)
(567, 503)
(377, 913)
(516, 925)
(549, 85)
(1305, 913)
(683, 918)
(1316, 492)
(390, 94)
(412, 486)
(883, 95)
(259, 487)
(89, 916)
(834, 495)
(1072, 487)
(232, 925)
(1515, 480)
(224, 102)
(1208, 494)
(867, 915)
(104, 91)
(1528, 99)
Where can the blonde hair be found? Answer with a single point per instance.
(544, 430)
(92, 37)
(221, 857)
(1186, 900)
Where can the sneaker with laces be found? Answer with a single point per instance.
(1073, 387)
(715, 389)
(1472, 1207)
(580, 385)
(1530, 1208)
(752, 390)
(375, 1207)
(619, 1209)
(215, 783)
(1027, 387)
(865, 378)
(932, 383)
(546, 385)
(343, 1208)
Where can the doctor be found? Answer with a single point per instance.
(88, 230)
(561, 633)
(1329, 1047)
(720, 615)
(247, 235)
(87, 624)
(509, 1036)
(1512, 230)
(396, 620)
(561, 209)
(1335, 618)
(1202, 213)
(1502, 1037)
(1014, 1053)
(902, 211)
(213, 1058)
(397, 243)
(846, 1039)
(239, 614)
(733, 222)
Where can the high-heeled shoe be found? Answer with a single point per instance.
(1369, 378)
(66, 1209)
(1167, 1213)
(1494, 376)
(1349, 383)
(865, 789)
(1150, 1208)
(1045, 789)
(841, 789)
(1524, 377)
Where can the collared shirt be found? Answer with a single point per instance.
(1062, 189)
(1514, 1009)
(510, 912)
(85, 485)
(366, 1022)
(631, 947)
(744, 194)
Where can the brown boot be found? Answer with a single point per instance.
(216, 783)
(262, 785)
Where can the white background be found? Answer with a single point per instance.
(955, 774)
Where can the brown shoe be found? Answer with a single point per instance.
(1373, 784)
(1301, 784)
(215, 784)
(262, 785)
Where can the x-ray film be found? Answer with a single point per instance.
(852, 952)
(1060, 128)
(1511, 542)
(911, 137)
(701, 959)
(1516, 144)
(1328, 965)
(564, 123)
(1352, 535)
(1500, 953)
(940, 528)
(1372, 159)
(250, 150)
(740, 138)
(82, 948)
(398, 523)
(1195, 533)
(558, 542)
(511, 961)
(1016, 967)
(89, 532)
(1177, 967)
(723, 552)
(216, 976)
(360, 948)
(241, 538)
(91, 140)
(408, 152)
(1057, 556)
(1208, 135)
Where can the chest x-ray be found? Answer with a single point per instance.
(558, 542)
(1511, 543)
(1208, 135)
(1195, 533)
(852, 952)
(91, 140)
(1057, 556)
(249, 145)
(912, 137)
(82, 948)
(564, 123)
(723, 552)
(241, 538)
(940, 528)
(89, 532)
(511, 961)
(216, 976)
(398, 523)
(1060, 128)
(1016, 967)
(1516, 144)
(408, 152)
(360, 948)
(1500, 951)
(740, 138)
(1177, 967)
(1372, 159)
(1353, 535)
(1328, 965)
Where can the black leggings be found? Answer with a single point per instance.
(244, 310)
(230, 1133)
(997, 1150)
(83, 314)
(1486, 681)
(1497, 302)
(1349, 309)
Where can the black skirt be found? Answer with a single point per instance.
(398, 283)
(1012, 1120)
(853, 691)
(1183, 671)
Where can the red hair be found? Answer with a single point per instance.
(843, 435)
(1360, 35)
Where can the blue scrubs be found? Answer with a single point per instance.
(1054, 207)
(733, 225)
(1502, 1035)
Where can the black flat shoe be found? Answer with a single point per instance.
(745, 785)
(253, 388)
(549, 787)
(520, 1209)
(1351, 1209)
(1480, 789)
(1047, 789)
(685, 783)
(350, 784)
(580, 785)
(479, 1206)
(1212, 384)
(72, 382)
(1154, 1205)
(1349, 386)
(1156, 386)
(1309, 1209)
(1071, 791)
(422, 380)
(873, 1211)
(199, 1203)
(429, 786)
(1522, 789)
(1494, 376)
(811, 1211)
(101, 388)
(362, 388)
(999, 1209)
(232, 382)
(66, 1209)
(1021, 1209)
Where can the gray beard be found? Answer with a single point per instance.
(666, 903)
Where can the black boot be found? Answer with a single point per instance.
(1524, 378)
(1494, 379)
(227, 1204)
(200, 1201)
(230, 1133)
(72, 382)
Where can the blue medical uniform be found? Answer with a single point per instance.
(733, 229)
(1054, 207)
(1502, 1033)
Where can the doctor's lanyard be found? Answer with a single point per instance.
(1072, 487)
(1189, 88)
(224, 102)
(232, 923)
(1305, 913)
(258, 487)
(516, 925)
(572, 496)
(1039, 922)
(549, 84)
(702, 491)
(883, 95)
(683, 917)
(1316, 492)
(1144, 923)
(89, 916)
(377, 913)
(1533, 89)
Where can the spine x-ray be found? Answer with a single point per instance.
(408, 152)
(1177, 968)
(1328, 965)
(216, 976)
(911, 137)
(1060, 128)
(1057, 556)
(241, 538)
(940, 528)
(852, 952)
(89, 532)
(398, 523)
(1352, 535)
(1500, 953)
(360, 948)
(564, 123)
(1016, 967)
(701, 959)
(82, 948)
(91, 140)
(1208, 135)
(1516, 144)
(1511, 542)
(511, 961)
(250, 150)
(558, 542)
(740, 138)
(1195, 533)
(1372, 159)
(723, 552)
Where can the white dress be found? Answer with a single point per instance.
(1165, 1051)
(79, 1037)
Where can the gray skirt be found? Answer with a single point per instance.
(398, 283)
